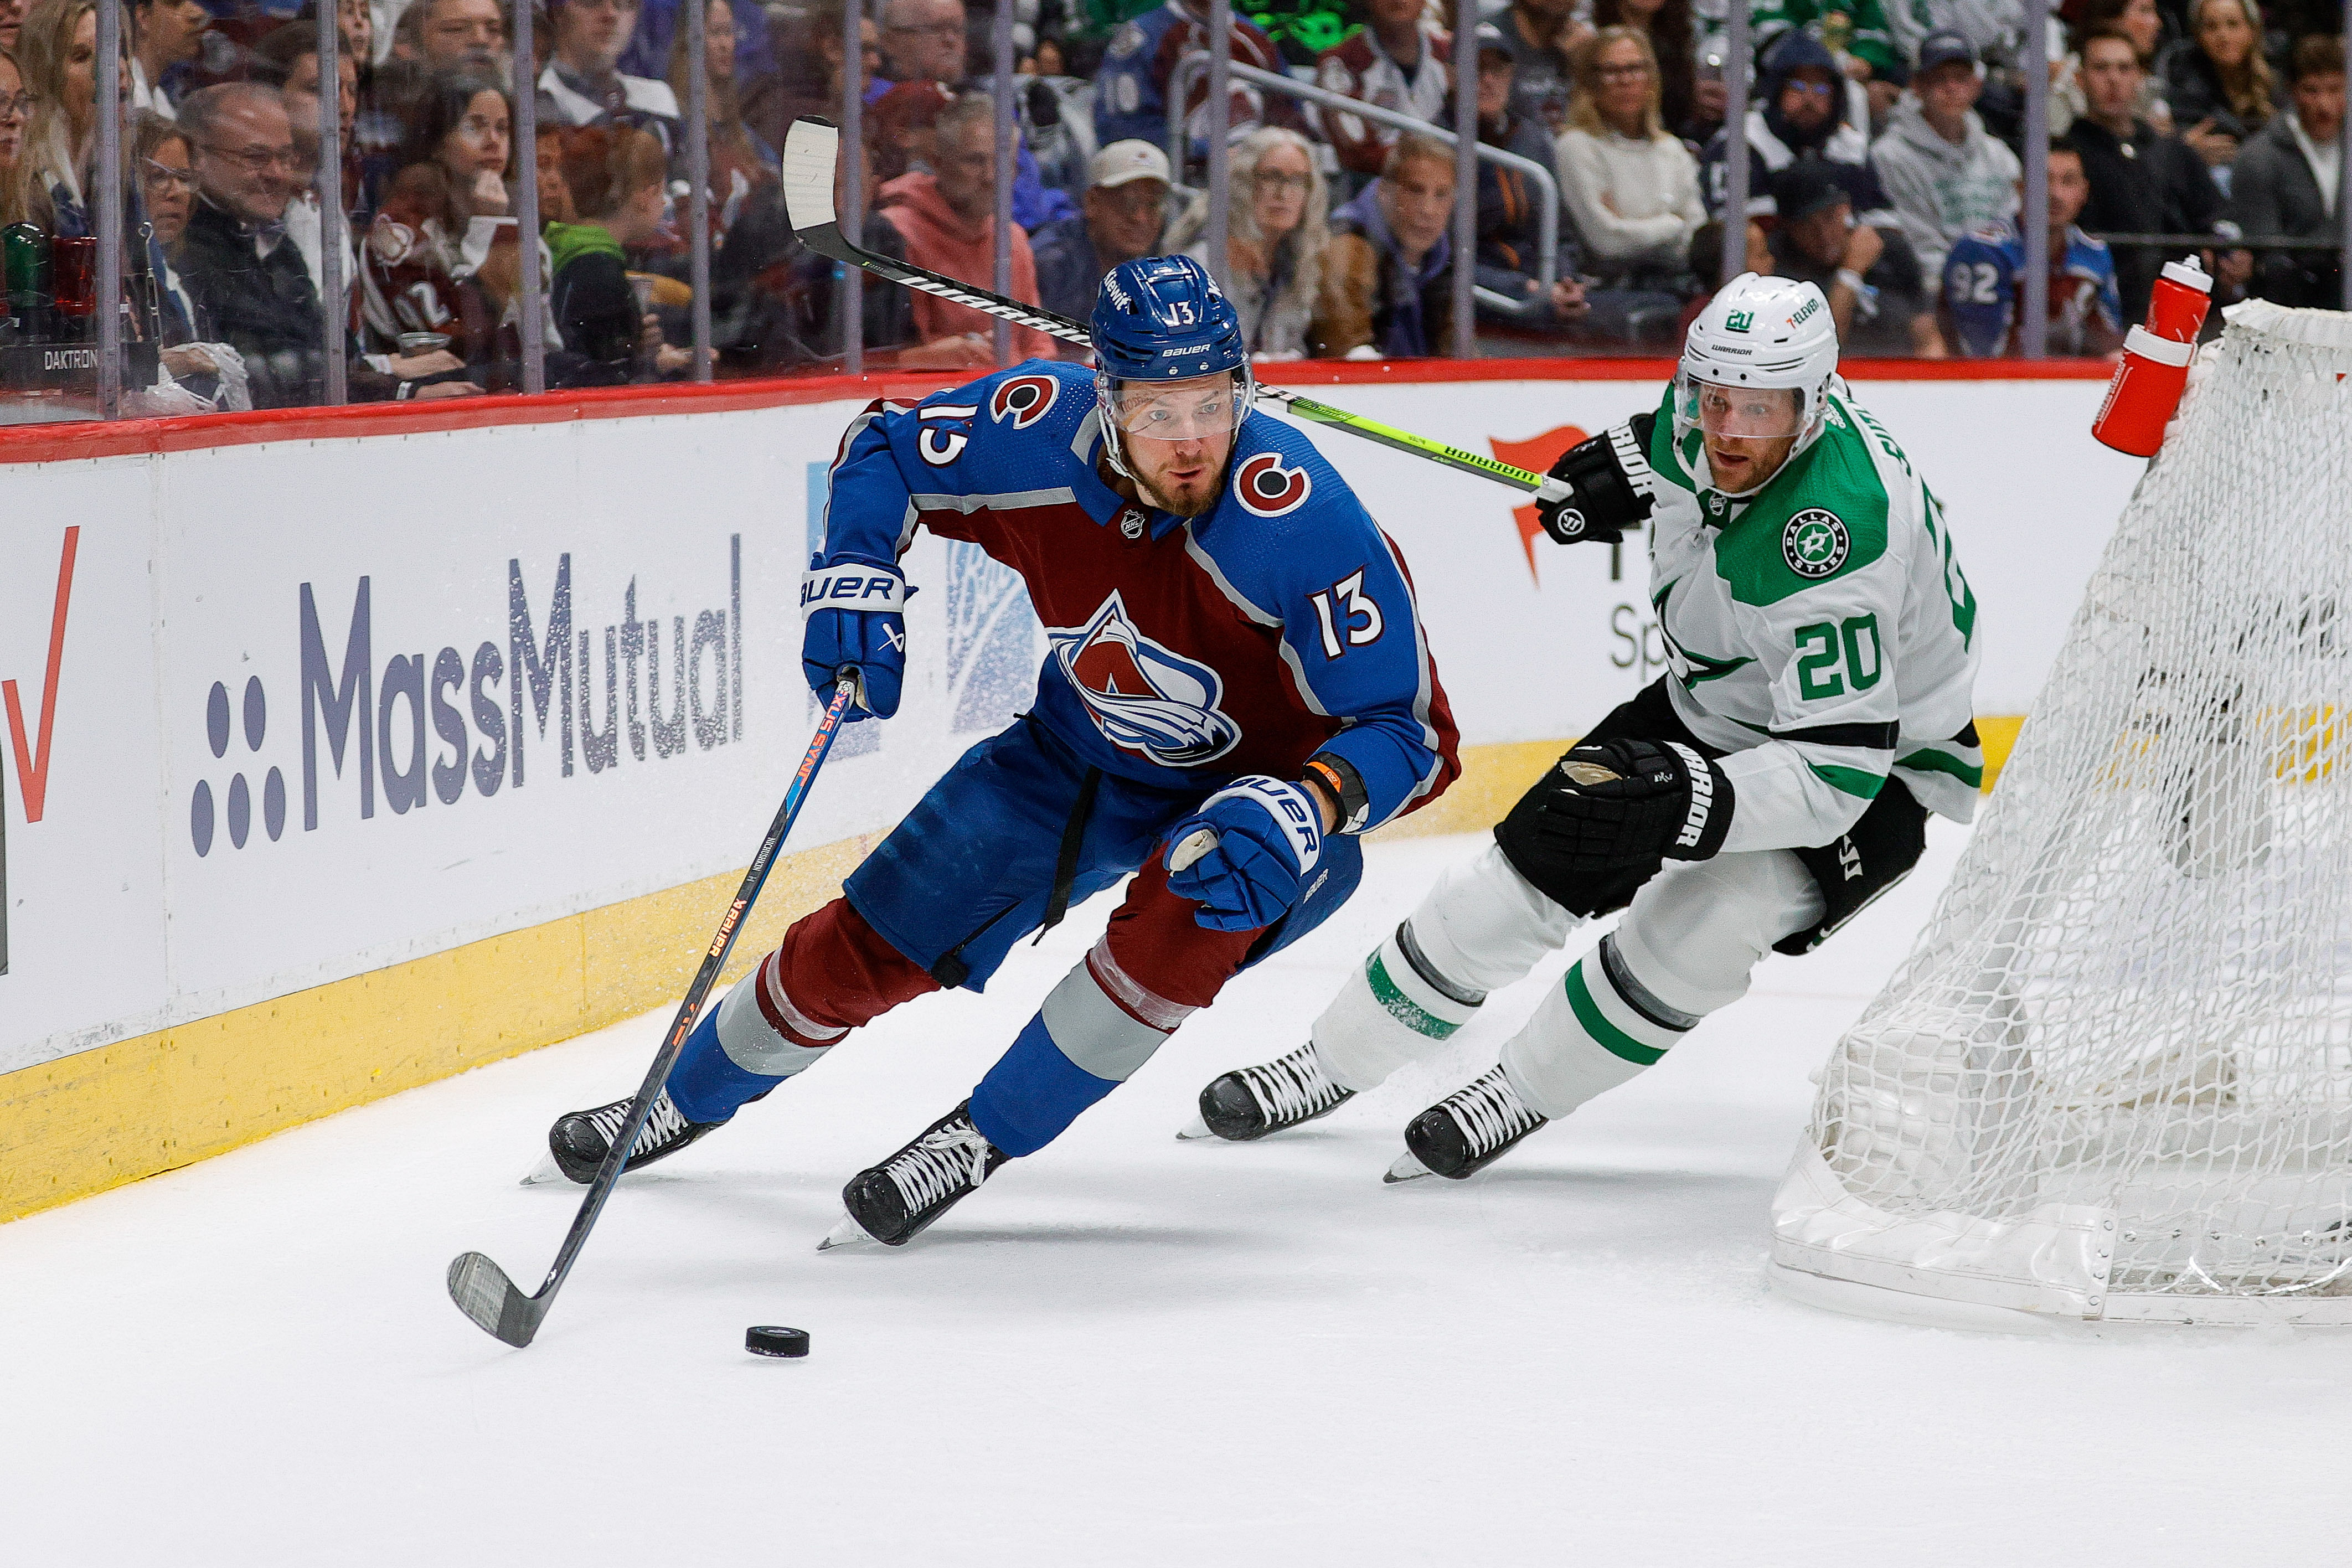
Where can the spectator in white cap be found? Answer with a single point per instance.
(1942, 173)
(1121, 216)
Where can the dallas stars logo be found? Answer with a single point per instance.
(1814, 543)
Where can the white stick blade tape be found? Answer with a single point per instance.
(1195, 845)
(810, 153)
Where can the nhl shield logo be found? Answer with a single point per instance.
(1145, 697)
(1814, 543)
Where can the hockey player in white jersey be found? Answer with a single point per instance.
(1821, 643)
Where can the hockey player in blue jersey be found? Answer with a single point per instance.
(1238, 685)
(1984, 279)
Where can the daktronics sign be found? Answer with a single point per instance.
(563, 691)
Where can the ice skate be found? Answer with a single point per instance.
(1466, 1131)
(1250, 1102)
(895, 1201)
(578, 1142)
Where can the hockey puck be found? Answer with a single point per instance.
(769, 1340)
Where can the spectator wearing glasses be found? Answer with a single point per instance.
(164, 35)
(20, 200)
(929, 70)
(1630, 184)
(59, 55)
(1943, 174)
(1804, 118)
(583, 79)
(1388, 274)
(245, 277)
(1674, 49)
(196, 375)
(948, 220)
(289, 61)
(1397, 61)
(1123, 214)
(442, 257)
(1275, 235)
(2289, 178)
(924, 40)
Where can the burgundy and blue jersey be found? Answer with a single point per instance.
(1184, 652)
(1984, 290)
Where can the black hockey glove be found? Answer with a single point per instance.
(1621, 807)
(1600, 486)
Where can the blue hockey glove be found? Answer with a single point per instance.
(857, 627)
(1244, 854)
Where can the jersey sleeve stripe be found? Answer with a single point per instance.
(1941, 762)
(1869, 736)
(1849, 780)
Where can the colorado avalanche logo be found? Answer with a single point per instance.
(1145, 697)
(1025, 400)
(1268, 488)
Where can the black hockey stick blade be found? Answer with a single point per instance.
(813, 148)
(483, 1290)
(484, 1293)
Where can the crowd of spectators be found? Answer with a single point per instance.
(1883, 141)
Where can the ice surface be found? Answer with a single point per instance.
(1126, 1350)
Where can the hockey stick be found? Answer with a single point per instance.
(812, 148)
(479, 1287)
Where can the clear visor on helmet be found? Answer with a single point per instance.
(1198, 408)
(1756, 413)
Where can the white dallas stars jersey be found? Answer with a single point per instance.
(1819, 631)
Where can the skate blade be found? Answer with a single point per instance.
(1195, 1128)
(545, 1171)
(1408, 1168)
(848, 1233)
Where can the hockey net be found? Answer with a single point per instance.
(2113, 1079)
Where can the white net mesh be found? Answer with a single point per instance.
(2114, 1077)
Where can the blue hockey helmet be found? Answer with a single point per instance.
(1163, 318)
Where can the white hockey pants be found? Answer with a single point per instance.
(1685, 948)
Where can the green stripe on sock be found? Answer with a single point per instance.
(1406, 1011)
(1852, 780)
(1616, 1040)
(1943, 762)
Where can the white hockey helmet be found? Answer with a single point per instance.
(1761, 333)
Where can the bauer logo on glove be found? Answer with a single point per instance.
(855, 628)
(1244, 854)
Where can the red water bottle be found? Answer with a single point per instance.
(2147, 389)
(2154, 369)
(2177, 305)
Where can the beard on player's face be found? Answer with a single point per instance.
(1182, 478)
